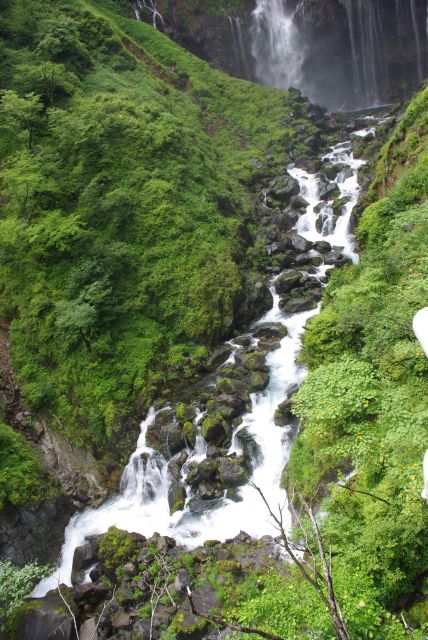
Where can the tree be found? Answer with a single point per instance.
(24, 113)
(75, 319)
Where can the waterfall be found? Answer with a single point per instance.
(369, 31)
(157, 19)
(278, 52)
(416, 30)
(239, 47)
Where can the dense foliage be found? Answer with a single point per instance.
(16, 584)
(22, 477)
(123, 203)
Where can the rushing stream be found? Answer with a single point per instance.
(142, 504)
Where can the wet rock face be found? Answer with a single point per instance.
(35, 531)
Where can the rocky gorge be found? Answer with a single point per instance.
(212, 402)
(200, 448)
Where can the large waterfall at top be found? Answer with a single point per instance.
(276, 48)
(346, 53)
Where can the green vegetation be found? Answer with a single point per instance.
(123, 186)
(22, 477)
(364, 403)
(117, 547)
(16, 584)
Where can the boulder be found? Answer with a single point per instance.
(284, 188)
(190, 432)
(300, 243)
(231, 472)
(232, 387)
(289, 280)
(269, 330)
(176, 497)
(84, 556)
(254, 301)
(182, 581)
(299, 203)
(91, 593)
(258, 380)
(329, 191)
(218, 357)
(184, 413)
(250, 447)
(215, 428)
(205, 471)
(338, 205)
(297, 305)
(87, 630)
(253, 361)
(331, 171)
(122, 620)
(176, 463)
(311, 165)
(167, 437)
(46, 618)
(285, 220)
(198, 506)
(322, 246)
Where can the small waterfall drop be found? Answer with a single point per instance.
(277, 50)
(239, 47)
(151, 6)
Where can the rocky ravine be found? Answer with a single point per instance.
(121, 566)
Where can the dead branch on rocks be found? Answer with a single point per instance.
(321, 582)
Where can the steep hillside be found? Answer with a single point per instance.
(126, 224)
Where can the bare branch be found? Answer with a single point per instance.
(73, 617)
(365, 493)
(105, 606)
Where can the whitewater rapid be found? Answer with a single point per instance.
(142, 506)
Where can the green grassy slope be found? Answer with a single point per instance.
(125, 162)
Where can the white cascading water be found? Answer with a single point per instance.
(278, 51)
(239, 46)
(142, 505)
(366, 24)
(157, 18)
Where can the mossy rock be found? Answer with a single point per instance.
(176, 497)
(229, 566)
(233, 388)
(41, 618)
(215, 428)
(118, 547)
(184, 413)
(189, 627)
(190, 432)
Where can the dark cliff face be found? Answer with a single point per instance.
(356, 52)
(220, 35)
